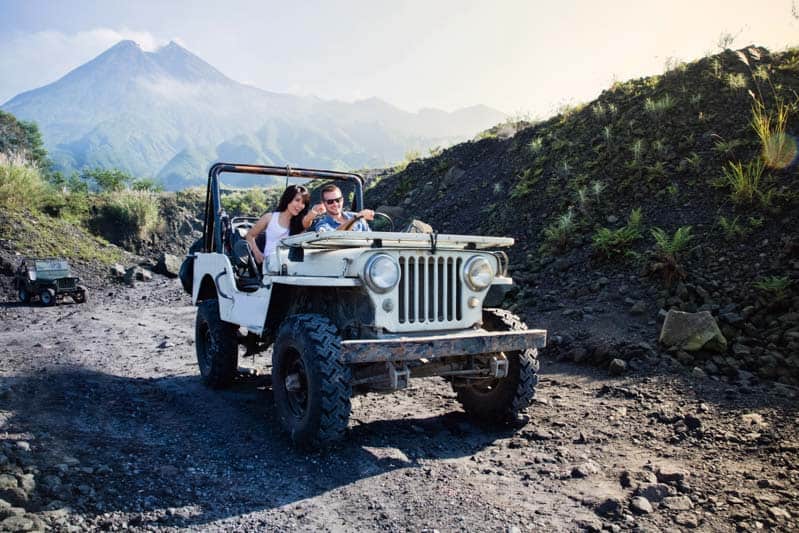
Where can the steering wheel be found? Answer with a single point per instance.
(386, 217)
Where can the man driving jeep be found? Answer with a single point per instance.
(335, 217)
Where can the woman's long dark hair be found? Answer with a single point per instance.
(295, 225)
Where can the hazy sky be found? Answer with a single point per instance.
(517, 56)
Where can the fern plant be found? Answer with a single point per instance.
(732, 228)
(608, 243)
(776, 286)
(668, 250)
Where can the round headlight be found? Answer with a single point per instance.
(381, 273)
(477, 273)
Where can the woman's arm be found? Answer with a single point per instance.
(256, 230)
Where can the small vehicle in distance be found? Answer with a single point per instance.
(48, 279)
(348, 312)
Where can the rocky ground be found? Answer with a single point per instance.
(105, 425)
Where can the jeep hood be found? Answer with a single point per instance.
(385, 239)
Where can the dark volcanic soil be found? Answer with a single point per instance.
(105, 425)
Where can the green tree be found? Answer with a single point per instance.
(147, 184)
(108, 179)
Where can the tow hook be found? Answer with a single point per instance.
(499, 367)
(398, 378)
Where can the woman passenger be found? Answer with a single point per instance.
(289, 219)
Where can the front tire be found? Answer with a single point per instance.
(503, 400)
(47, 296)
(310, 382)
(80, 296)
(217, 346)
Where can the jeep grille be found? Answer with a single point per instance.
(429, 289)
(65, 283)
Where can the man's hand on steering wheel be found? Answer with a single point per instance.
(366, 214)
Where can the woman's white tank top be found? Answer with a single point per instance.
(274, 232)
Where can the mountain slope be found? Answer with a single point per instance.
(661, 144)
(141, 110)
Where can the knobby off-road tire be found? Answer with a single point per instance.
(80, 296)
(217, 346)
(501, 401)
(47, 296)
(310, 382)
(24, 295)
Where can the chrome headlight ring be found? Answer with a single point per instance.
(381, 273)
(477, 273)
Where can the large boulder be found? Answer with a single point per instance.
(136, 273)
(692, 332)
(168, 265)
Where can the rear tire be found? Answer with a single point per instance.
(502, 400)
(24, 295)
(217, 346)
(311, 384)
(47, 296)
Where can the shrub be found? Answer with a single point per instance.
(535, 145)
(658, 106)
(525, 183)
(778, 148)
(135, 212)
(147, 184)
(597, 187)
(744, 182)
(731, 228)
(21, 184)
(736, 80)
(637, 149)
(607, 133)
(249, 202)
(777, 286)
(608, 243)
(558, 234)
(727, 147)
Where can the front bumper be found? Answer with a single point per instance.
(437, 346)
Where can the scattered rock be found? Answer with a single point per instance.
(17, 523)
(136, 273)
(117, 271)
(687, 520)
(669, 474)
(593, 525)
(617, 367)
(584, 470)
(611, 507)
(692, 332)
(638, 308)
(641, 505)
(678, 503)
(654, 492)
(779, 512)
(168, 265)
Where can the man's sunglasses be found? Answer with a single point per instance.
(331, 201)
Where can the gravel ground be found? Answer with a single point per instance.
(105, 425)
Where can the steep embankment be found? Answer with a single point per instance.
(664, 145)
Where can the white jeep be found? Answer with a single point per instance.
(349, 312)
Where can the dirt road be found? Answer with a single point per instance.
(105, 425)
